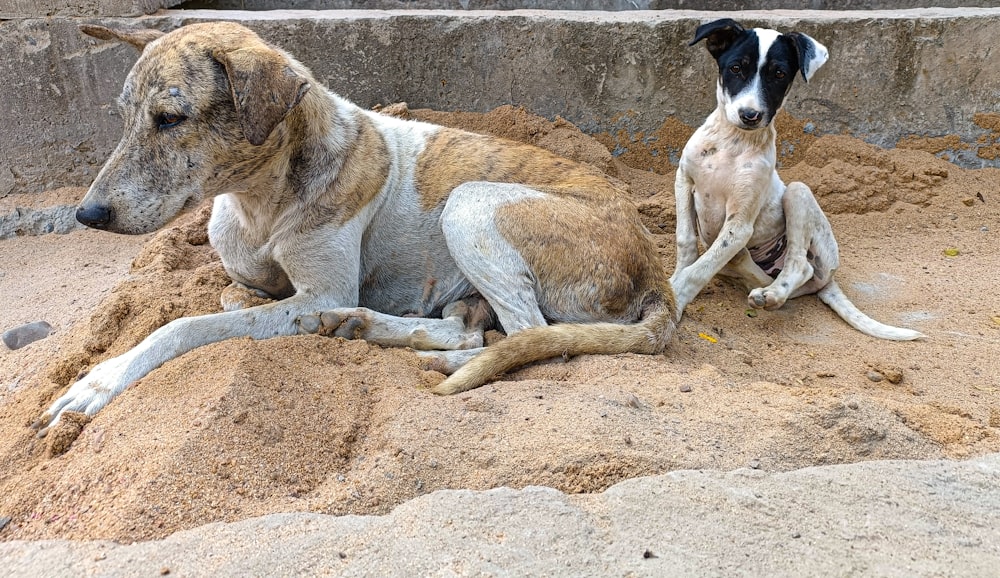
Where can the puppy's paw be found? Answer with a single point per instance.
(765, 298)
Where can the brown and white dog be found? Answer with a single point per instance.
(775, 238)
(363, 225)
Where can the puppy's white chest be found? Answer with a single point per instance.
(715, 173)
(723, 176)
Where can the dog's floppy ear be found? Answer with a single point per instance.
(720, 34)
(812, 54)
(263, 86)
(137, 38)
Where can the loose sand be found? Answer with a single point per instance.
(243, 428)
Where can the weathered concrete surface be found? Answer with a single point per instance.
(45, 8)
(894, 518)
(431, 4)
(582, 4)
(891, 73)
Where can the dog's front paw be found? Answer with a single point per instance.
(86, 396)
(764, 298)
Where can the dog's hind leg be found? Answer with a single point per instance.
(494, 267)
(448, 362)
(742, 268)
(421, 333)
(811, 253)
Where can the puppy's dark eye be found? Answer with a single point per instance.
(735, 69)
(779, 74)
(168, 120)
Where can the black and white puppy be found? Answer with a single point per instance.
(773, 237)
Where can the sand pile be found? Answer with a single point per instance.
(244, 428)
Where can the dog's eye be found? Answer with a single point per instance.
(168, 120)
(779, 74)
(735, 69)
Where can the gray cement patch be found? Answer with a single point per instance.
(892, 74)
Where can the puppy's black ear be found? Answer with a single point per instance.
(720, 34)
(137, 38)
(812, 54)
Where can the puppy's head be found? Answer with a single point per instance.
(200, 110)
(756, 68)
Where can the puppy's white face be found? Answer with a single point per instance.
(756, 69)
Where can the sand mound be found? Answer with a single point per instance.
(244, 428)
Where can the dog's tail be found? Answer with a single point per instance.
(835, 298)
(650, 335)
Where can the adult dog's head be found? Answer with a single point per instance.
(756, 68)
(200, 110)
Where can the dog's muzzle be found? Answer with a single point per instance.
(750, 117)
(97, 216)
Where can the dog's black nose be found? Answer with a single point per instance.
(96, 216)
(750, 116)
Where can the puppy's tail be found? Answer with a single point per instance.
(835, 298)
(650, 335)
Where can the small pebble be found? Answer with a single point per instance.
(685, 388)
(18, 337)
(754, 464)
(895, 376)
(4, 521)
(808, 128)
(796, 535)
(875, 376)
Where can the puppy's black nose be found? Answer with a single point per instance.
(96, 216)
(750, 117)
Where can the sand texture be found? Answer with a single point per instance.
(312, 424)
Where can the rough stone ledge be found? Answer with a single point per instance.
(892, 74)
(890, 518)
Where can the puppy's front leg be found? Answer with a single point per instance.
(687, 234)
(689, 281)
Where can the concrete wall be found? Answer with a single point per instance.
(48, 8)
(891, 74)
(614, 5)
